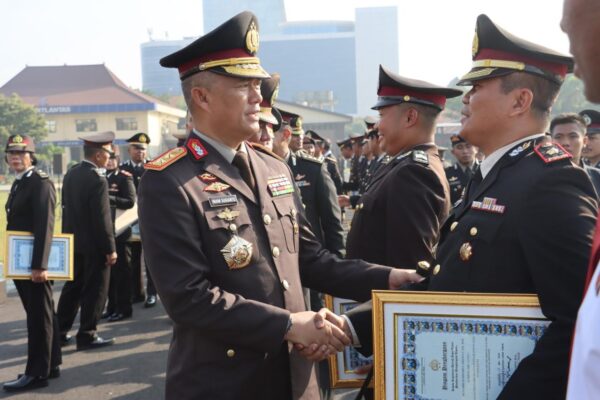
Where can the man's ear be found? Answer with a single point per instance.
(201, 98)
(411, 117)
(522, 101)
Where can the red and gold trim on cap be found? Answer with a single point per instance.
(233, 61)
(17, 141)
(412, 95)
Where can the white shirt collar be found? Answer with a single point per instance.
(227, 152)
(20, 175)
(488, 163)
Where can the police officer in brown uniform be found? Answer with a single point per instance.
(527, 219)
(226, 247)
(398, 218)
(30, 208)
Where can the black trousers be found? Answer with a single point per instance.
(119, 289)
(137, 276)
(43, 336)
(89, 290)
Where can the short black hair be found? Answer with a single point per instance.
(568, 118)
(544, 90)
(89, 152)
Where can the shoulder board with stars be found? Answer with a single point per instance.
(420, 156)
(41, 174)
(165, 159)
(263, 149)
(302, 155)
(551, 152)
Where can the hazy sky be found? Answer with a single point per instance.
(435, 35)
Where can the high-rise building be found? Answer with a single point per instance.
(330, 65)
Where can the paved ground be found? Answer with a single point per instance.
(133, 368)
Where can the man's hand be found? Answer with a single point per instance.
(400, 277)
(344, 200)
(111, 259)
(314, 352)
(39, 275)
(310, 330)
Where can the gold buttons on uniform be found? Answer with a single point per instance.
(453, 226)
(230, 353)
(286, 284)
(473, 231)
(233, 228)
(267, 219)
(466, 251)
(275, 251)
(436, 269)
(294, 212)
(423, 265)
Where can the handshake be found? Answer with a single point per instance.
(318, 335)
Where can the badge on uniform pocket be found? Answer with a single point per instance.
(237, 252)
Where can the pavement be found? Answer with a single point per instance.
(133, 368)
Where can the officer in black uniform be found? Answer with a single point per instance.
(527, 219)
(30, 208)
(461, 172)
(345, 163)
(591, 151)
(323, 153)
(86, 214)
(399, 216)
(121, 194)
(568, 130)
(138, 150)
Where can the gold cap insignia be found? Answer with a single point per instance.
(252, 41)
(143, 139)
(587, 119)
(406, 98)
(18, 139)
(237, 253)
(475, 47)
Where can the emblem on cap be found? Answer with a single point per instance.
(143, 139)
(18, 139)
(475, 47)
(587, 119)
(237, 253)
(252, 40)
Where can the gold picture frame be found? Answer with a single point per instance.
(340, 364)
(439, 337)
(17, 256)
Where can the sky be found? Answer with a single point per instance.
(435, 35)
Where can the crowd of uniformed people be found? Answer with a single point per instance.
(241, 225)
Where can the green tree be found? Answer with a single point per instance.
(18, 117)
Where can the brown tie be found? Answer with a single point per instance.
(241, 162)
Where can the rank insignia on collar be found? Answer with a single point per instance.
(551, 152)
(518, 150)
(216, 187)
(195, 146)
(228, 215)
(207, 178)
(237, 253)
(420, 156)
(302, 183)
(488, 204)
(279, 185)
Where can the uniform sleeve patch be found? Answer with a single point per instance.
(550, 153)
(167, 158)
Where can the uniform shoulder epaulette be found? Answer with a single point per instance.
(41, 174)
(305, 156)
(165, 159)
(551, 152)
(126, 173)
(263, 149)
(331, 158)
(420, 156)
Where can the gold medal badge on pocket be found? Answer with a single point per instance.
(238, 251)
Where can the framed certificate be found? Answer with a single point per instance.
(19, 250)
(343, 365)
(437, 345)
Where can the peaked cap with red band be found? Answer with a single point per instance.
(395, 89)
(230, 49)
(269, 88)
(497, 52)
(592, 120)
(20, 143)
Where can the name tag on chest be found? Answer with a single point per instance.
(223, 201)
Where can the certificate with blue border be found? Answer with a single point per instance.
(19, 250)
(343, 365)
(437, 345)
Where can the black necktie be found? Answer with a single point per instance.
(473, 185)
(241, 162)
